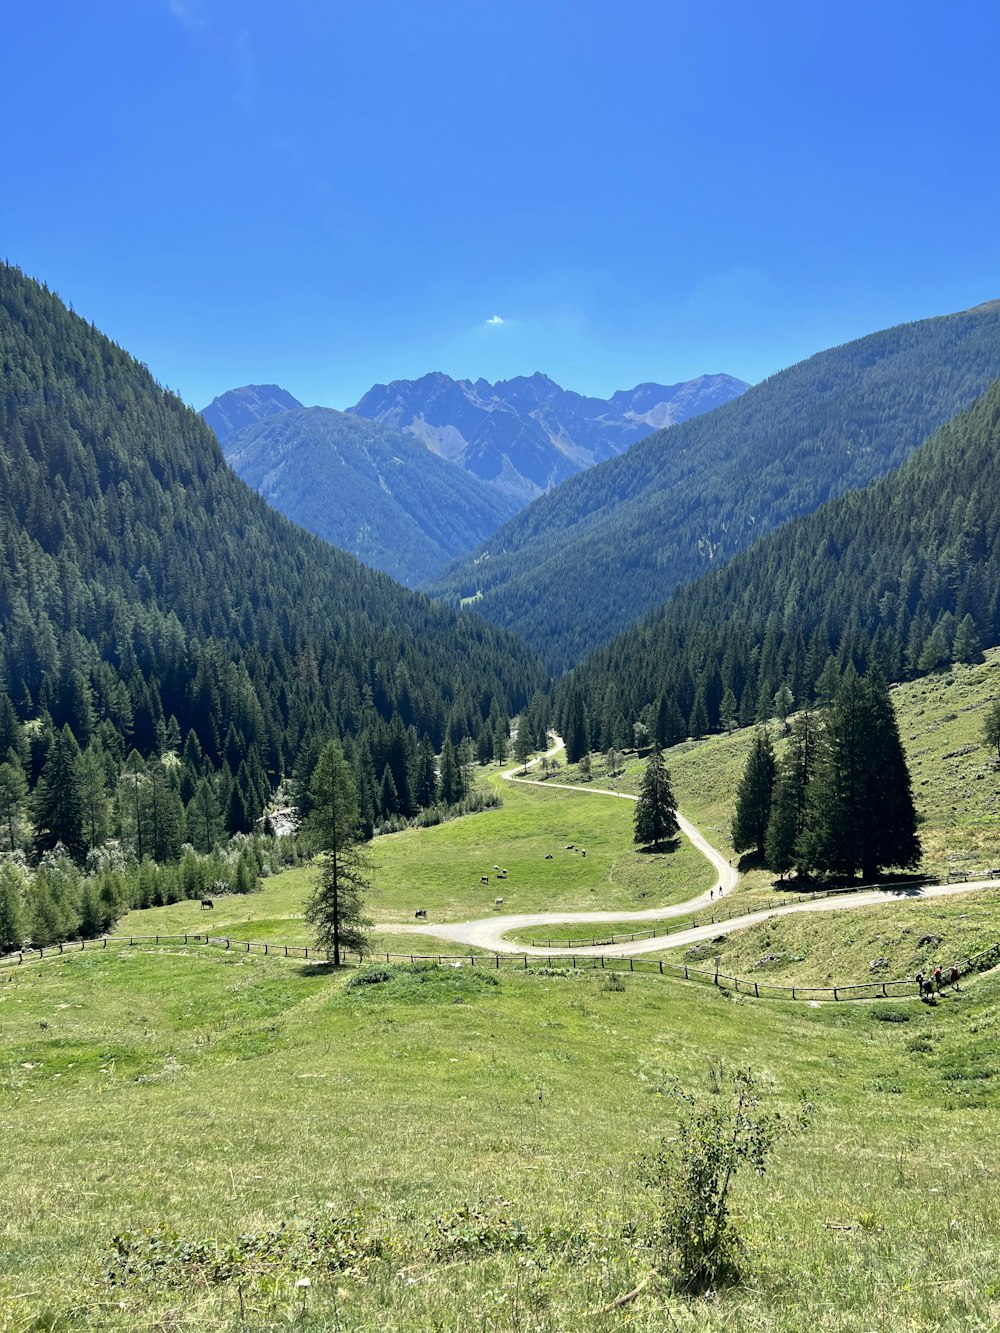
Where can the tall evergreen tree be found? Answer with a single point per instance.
(58, 804)
(789, 801)
(13, 793)
(335, 906)
(860, 814)
(576, 734)
(753, 796)
(656, 809)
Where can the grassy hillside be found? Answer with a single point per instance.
(465, 1152)
(452, 1150)
(580, 564)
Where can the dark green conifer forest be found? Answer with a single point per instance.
(583, 562)
(903, 575)
(171, 648)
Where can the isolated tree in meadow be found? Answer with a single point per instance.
(859, 811)
(753, 796)
(612, 763)
(335, 907)
(656, 809)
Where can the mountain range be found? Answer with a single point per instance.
(526, 435)
(375, 492)
(580, 564)
(422, 471)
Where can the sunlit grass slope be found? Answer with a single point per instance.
(211, 1095)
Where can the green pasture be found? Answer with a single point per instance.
(439, 869)
(595, 932)
(489, 1130)
(877, 943)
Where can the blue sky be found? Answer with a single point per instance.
(331, 194)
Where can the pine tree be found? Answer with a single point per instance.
(789, 801)
(577, 736)
(967, 646)
(859, 813)
(204, 818)
(13, 793)
(656, 809)
(335, 907)
(991, 727)
(94, 797)
(12, 910)
(58, 803)
(753, 796)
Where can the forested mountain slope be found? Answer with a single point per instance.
(525, 435)
(580, 564)
(905, 574)
(375, 492)
(147, 593)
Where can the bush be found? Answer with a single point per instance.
(371, 974)
(692, 1175)
(890, 1013)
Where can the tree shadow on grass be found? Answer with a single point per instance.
(663, 849)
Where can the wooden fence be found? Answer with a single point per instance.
(718, 918)
(864, 990)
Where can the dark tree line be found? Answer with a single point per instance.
(580, 564)
(167, 638)
(840, 801)
(903, 576)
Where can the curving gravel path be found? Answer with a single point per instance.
(489, 932)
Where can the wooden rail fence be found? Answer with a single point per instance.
(864, 990)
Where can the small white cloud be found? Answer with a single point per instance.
(494, 319)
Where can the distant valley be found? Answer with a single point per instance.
(420, 472)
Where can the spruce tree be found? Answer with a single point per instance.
(58, 803)
(13, 793)
(753, 796)
(967, 646)
(335, 907)
(859, 812)
(656, 809)
(789, 801)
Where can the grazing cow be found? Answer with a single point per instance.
(548, 856)
(496, 867)
(421, 914)
(484, 879)
(583, 851)
(498, 902)
(571, 846)
(207, 902)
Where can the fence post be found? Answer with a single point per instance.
(602, 962)
(661, 967)
(248, 946)
(185, 939)
(525, 962)
(835, 995)
(756, 990)
(793, 992)
(631, 964)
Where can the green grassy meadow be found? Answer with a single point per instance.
(208, 1096)
(449, 1148)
